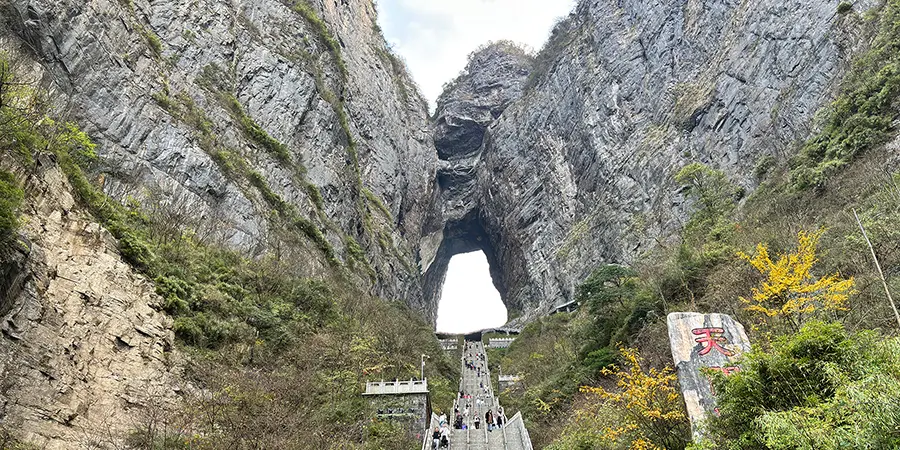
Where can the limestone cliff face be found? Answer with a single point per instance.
(176, 93)
(550, 165)
(85, 353)
(203, 106)
(579, 169)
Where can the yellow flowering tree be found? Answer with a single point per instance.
(647, 409)
(789, 292)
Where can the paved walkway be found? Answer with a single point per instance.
(478, 398)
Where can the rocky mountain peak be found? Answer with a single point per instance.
(493, 78)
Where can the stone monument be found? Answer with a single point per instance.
(713, 341)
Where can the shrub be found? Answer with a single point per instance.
(864, 111)
(789, 292)
(844, 7)
(11, 196)
(820, 388)
(651, 411)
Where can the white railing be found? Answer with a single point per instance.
(426, 440)
(519, 423)
(500, 342)
(397, 387)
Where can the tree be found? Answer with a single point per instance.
(789, 292)
(608, 285)
(652, 411)
(10, 201)
(608, 294)
(714, 193)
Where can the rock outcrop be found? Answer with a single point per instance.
(494, 78)
(186, 99)
(85, 354)
(551, 165)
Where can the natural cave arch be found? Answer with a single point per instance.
(469, 301)
(463, 236)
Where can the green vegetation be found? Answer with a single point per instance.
(8, 442)
(844, 7)
(704, 270)
(153, 41)
(309, 14)
(863, 113)
(562, 35)
(545, 356)
(183, 108)
(398, 70)
(821, 388)
(11, 196)
(280, 358)
(373, 199)
(292, 216)
(255, 133)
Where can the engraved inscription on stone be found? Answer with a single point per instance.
(713, 341)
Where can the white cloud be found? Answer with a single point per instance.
(436, 36)
(469, 301)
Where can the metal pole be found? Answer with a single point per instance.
(422, 377)
(878, 266)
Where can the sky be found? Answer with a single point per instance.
(469, 301)
(435, 37)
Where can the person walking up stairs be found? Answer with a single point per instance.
(479, 421)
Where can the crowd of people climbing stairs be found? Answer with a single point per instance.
(475, 406)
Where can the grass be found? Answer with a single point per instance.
(321, 29)
(292, 216)
(256, 133)
(280, 358)
(153, 41)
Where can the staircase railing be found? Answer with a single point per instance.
(519, 423)
(428, 429)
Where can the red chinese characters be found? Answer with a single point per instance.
(711, 338)
(726, 370)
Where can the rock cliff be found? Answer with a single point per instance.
(85, 352)
(289, 128)
(579, 169)
(209, 105)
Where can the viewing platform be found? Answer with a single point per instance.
(412, 386)
(500, 342)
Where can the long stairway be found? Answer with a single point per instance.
(479, 398)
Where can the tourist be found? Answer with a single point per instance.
(436, 438)
(445, 437)
(489, 420)
(477, 422)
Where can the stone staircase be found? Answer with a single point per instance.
(511, 436)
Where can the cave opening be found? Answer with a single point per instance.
(469, 301)
(475, 263)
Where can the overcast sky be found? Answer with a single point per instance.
(436, 36)
(469, 301)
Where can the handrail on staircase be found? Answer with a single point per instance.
(428, 428)
(503, 431)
